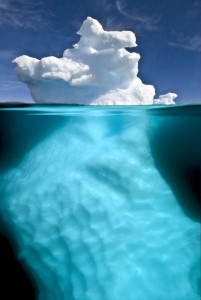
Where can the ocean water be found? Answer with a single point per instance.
(100, 203)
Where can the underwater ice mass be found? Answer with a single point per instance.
(96, 200)
(97, 70)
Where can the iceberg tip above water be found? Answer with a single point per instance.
(98, 70)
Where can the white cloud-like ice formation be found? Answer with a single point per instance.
(97, 70)
(166, 99)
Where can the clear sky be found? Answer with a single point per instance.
(168, 34)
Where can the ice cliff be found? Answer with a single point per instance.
(97, 70)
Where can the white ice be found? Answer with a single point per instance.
(166, 99)
(97, 70)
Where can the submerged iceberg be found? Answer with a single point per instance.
(97, 70)
(88, 207)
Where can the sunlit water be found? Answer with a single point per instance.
(102, 203)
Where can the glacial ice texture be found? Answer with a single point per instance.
(97, 70)
(91, 216)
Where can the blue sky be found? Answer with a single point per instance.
(168, 34)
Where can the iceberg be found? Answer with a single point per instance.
(98, 70)
(97, 202)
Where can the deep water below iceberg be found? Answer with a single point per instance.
(102, 203)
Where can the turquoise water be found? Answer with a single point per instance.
(103, 203)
